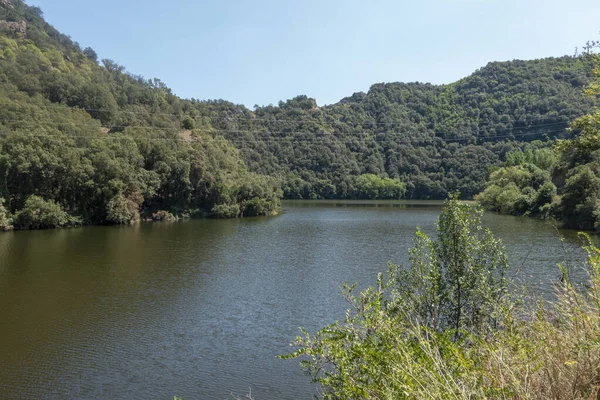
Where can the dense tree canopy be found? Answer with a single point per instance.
(436, 139)
(109, 146)
(84, 143)
(562, 182)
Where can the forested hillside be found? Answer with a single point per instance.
(93, 143)
(436, 139)
(561, 182)
(83, 143)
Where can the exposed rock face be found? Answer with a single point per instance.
(18, 27)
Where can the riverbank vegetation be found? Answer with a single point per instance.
(82, 143)
(435, 139)
(447, 327)
(560, 181)
(109, 146)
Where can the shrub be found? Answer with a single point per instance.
(163, 215)
(188, 123)
(507, 200)
(544, 195)
(5, 219)
(258, 206)
(457, 281)
(38, 213)
(122, 210)
(370, 186)
(390, 346)
(226, 211)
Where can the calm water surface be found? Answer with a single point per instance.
(200, 309)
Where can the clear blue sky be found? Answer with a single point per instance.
(263, 51)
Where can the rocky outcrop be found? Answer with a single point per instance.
(17, 27)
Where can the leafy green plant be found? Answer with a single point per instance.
(122, 210)
(42, 214)
(455, 282)
(5, 219)
(563, 183)
(401, 340)
(163, 215)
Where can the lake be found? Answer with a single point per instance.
(200, 309)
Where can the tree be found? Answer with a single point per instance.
(548, 350)
(5, 219)
(371, 186)
(457, 281)
(91, 54)
(414, 333)
(112, 66)
(43, 214)
(188, 123)
(578, 172)
(122, 210)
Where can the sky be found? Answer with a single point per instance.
(262, 51)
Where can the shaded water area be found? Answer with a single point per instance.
(200, 309)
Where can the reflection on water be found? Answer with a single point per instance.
(366, 203)
(200, 309)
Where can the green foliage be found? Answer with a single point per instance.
(457, 281)
(390, 346)
(435, 139)
(226, 211)
(85, 134)
(566, 188)
(593, 88)
(5, 219)
(578, 172)
(544, 158)
(91, 54)
(245, 196)
(42, 214)
(188, 123)
(122, 210)
(106, 144)
(163, 215)
(370, 186)
(523, 189)
(587, 142)
(580, 201)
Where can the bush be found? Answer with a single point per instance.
(391, 347)
(520, 190)
(5, 219)
(41, 214)
(226, 211)
(122, 210)
(256, 206)
(163, 215)
(188, 123)
(544, 196)
(370, 186)
(507, 199)
(457, 281)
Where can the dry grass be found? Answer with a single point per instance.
(555, 355)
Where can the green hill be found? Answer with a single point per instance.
(436, 139)
(104, 145)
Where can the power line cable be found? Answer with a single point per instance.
(285, 140)
(225, 119)
(227, 131)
